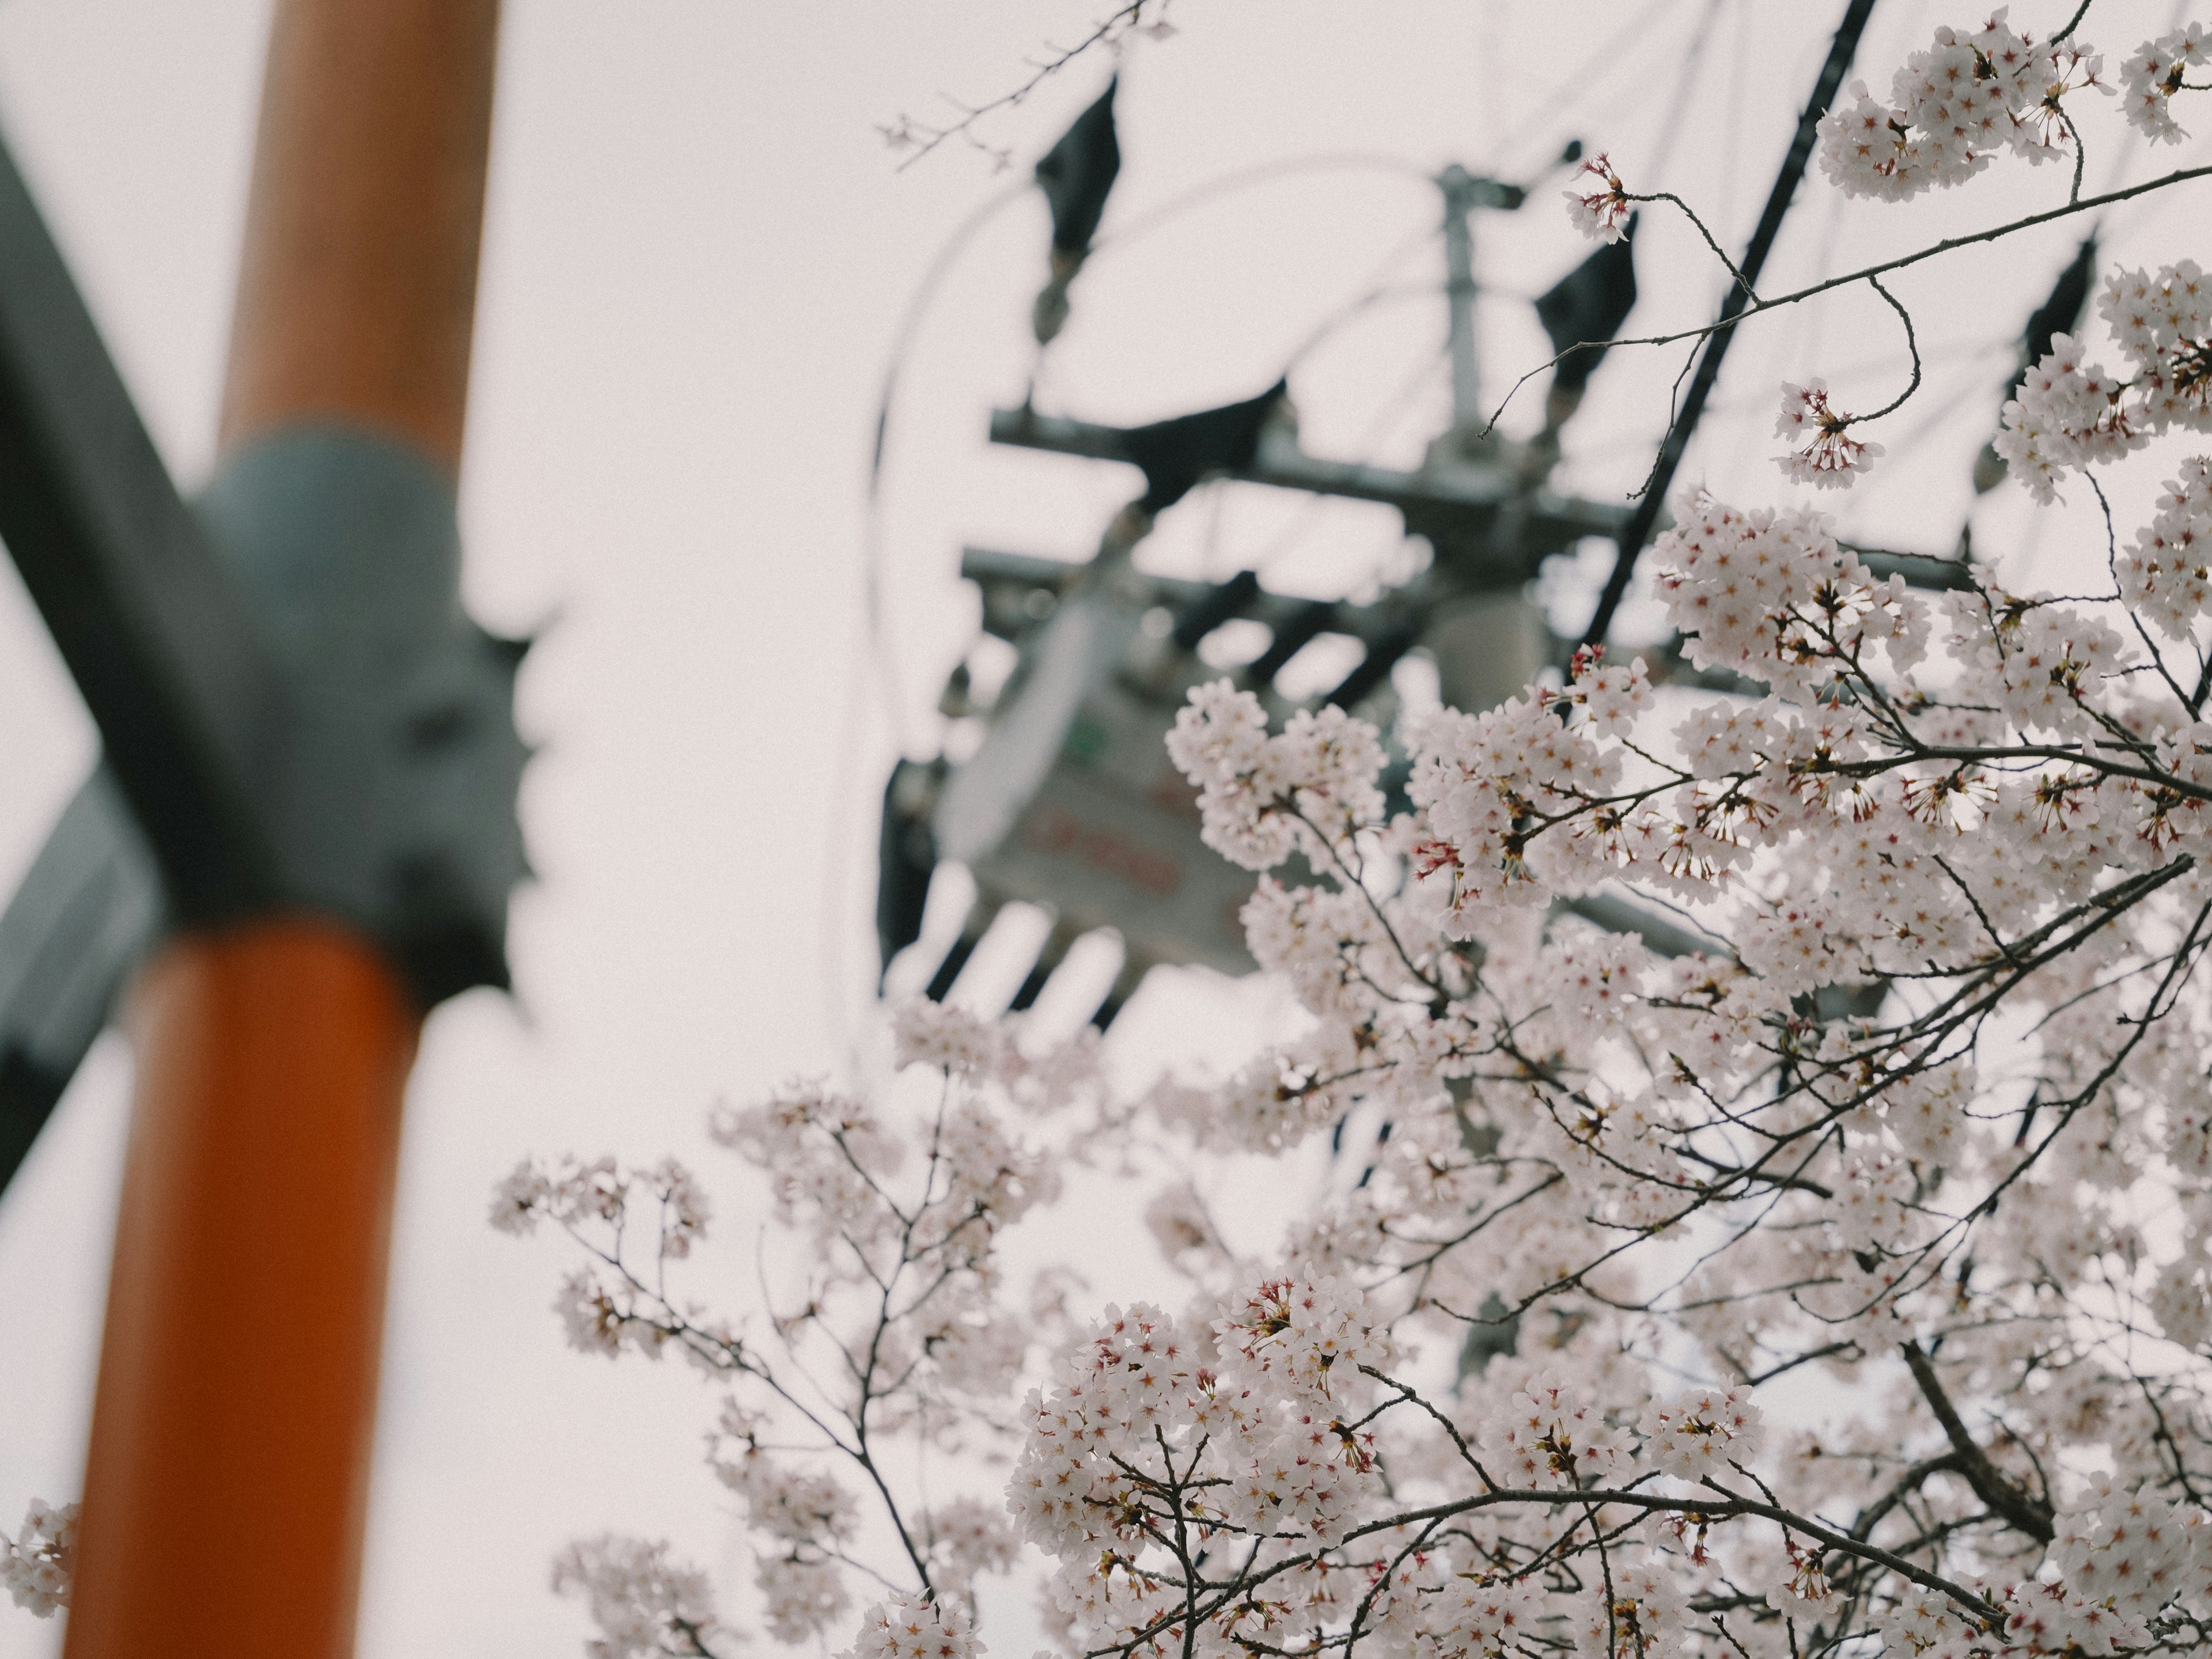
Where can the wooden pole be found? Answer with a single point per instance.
(225, 1495)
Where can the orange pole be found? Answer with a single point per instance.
(225, 1494)
(356, 298)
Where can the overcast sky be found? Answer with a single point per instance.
(697, 254)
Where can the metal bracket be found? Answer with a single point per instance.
(296, 710)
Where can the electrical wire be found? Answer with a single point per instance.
(1259, 174)
(1693, 58)
(917, 306)
(870, 646)
(1638, 529)
(1350, 312)
(872, 637)
(1572, 91)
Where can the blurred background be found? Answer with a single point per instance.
(700, 249)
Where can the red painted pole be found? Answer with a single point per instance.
(225, 1495)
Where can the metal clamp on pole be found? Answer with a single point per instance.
(304, 829)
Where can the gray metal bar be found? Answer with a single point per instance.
(1470, 492)
(149, 623)
(1458, 297)
(1018, 573)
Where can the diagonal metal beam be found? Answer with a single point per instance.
(87, 911)
(147, 620)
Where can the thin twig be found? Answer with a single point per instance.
(1911, 345)
(922, 139)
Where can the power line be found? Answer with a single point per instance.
(1638, 529)
(1566, 97)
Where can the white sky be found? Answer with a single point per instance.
(696, 256)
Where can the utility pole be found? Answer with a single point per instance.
(1069, 802)
(302, 834)
(1463, 192)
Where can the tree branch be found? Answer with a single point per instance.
(1990, 1485)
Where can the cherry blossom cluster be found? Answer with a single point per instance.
(2071, 413)
(1156, 1436)
(36, 1563)
(1229, 1487)
(1828, 457)
(1602, 215)
(1953, 107)
(2156, 70)
(2164, 576)
(1321, 768)
(915, 1627)
(895, 1332)
(644, 1602)
(1911, 1125)
(1781, 1113)
(1899, 1087)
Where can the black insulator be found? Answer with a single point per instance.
(1077, 172)
(1176, 454)
(906, 857)
(1588, 304)
(1308, 619)
(2061, 313)
(28, 1094)
(1214, 607)
(1493, 1331)
(1381, 657)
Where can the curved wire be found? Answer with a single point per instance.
(871, 639)
(873, 635)
(1568, 94)
(1693, 58)
(1379, 294)
(1259, 174)
(872, 548)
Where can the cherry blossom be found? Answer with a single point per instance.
(1702, 1432)
(2165, 576)
(1600, 215)
(1893, 1093)
(2071, 413)
(913, 1627)
(1953, 107)
(1768, 1109)
(641, 1601)
(2154, 73)
(35, 1566)
(901, 1300)
(1828, 459)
